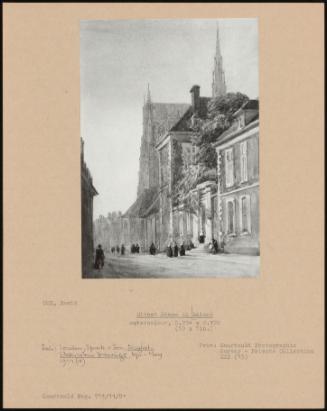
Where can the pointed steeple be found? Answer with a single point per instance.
(148, 96)
(218, 75)
(217, 42)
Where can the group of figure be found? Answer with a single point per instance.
(135, 249)
(118, 250)
(190, 246)
(173, 250)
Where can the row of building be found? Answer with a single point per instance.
(222, 203)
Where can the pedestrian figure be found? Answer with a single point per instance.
(152, 249)
(176, 250)
(169, 251)
(112, 250)
(182, 250)
(215, 245)
(99, 258)
(133, 249)
(122, 249)
(117, 249)
(137, 248)
(223, 243)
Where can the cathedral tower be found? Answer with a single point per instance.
(218, 78)
(157, 120)
(146, 145)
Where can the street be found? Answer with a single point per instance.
(191, 265)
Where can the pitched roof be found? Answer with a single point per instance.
(145, 203)
(248, 105)
(184, 123)
(249, 121)
(234, 131)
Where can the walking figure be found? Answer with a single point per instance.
(122, 249)
(182, 250)
(176, 250)
(169, 251)
(99, 258)
(152, 249)
(201, 237)
(215, 245)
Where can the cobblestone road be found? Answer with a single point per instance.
(161, 266)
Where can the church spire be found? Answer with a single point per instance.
(218, 77)
(217, 43)
(148, 96)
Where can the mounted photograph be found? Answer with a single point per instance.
(169, 148)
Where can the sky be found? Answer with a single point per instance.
(120, 57)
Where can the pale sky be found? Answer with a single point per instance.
(119, 58)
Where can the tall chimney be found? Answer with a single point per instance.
(195, 97)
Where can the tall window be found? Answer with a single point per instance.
(244, 161)
(245, 214)
(230, 217)
(229, 167)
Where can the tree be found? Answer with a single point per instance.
(226, 105)
(207, 155)
(206, 131)
(220, 117)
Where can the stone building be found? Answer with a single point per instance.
(166, 145)
(87, 193)
(157, 119)
(181, 222)
(140, 223)
(169, 159)
(238, 182)
(101, 232)
(108, 230)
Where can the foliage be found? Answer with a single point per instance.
(207, 175)
(206, 131)
(207, 155)
(220, 116)
(226, 105)
(182, 189)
